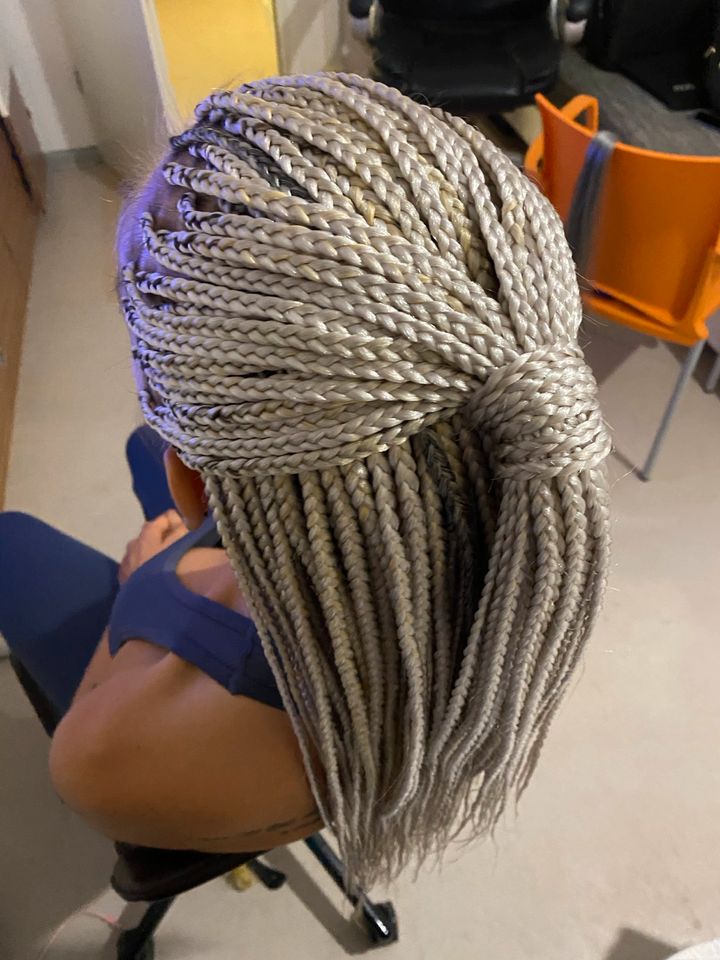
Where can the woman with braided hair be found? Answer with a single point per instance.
(354, 326)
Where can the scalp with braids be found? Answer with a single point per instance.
(362, 332)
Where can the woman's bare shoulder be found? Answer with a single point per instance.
(156, 752)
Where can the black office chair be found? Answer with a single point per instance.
(157, 876)
(469, 56)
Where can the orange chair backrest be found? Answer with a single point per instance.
(656, 244)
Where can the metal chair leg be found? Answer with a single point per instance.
(137, 943)
(713, 377)
(269, 877)
(686, 372)
(378, 919)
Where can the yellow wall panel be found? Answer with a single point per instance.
(212, 44)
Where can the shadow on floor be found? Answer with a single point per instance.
(632, 945)
(51, 863)
(349, 937)
(608, 346)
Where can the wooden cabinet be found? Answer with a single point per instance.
(18, 222)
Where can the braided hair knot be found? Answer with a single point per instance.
(542, 413)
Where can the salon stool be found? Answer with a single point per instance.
(159, 876)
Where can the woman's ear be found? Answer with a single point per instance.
(187, 489)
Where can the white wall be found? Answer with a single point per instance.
(127, 105)
(4, 71)
(121, 64)
(310, 34)
(33, 46)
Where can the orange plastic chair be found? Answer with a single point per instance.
(655, 263)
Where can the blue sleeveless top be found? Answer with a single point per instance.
(154, 605)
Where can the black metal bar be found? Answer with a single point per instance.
(380, 919)
(331, 863)
(132, 942)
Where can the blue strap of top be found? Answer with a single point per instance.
(154, 605)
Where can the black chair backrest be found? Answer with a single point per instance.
(469, 56)
(463, 9)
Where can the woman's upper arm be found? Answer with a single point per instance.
(87, 745)
(80, 757)
(162, 755)
(121, 756)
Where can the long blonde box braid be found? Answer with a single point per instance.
(364, 337)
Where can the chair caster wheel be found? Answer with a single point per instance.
(379, 921)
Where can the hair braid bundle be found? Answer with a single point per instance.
(363, 335)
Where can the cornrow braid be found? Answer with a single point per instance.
(362, 331)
